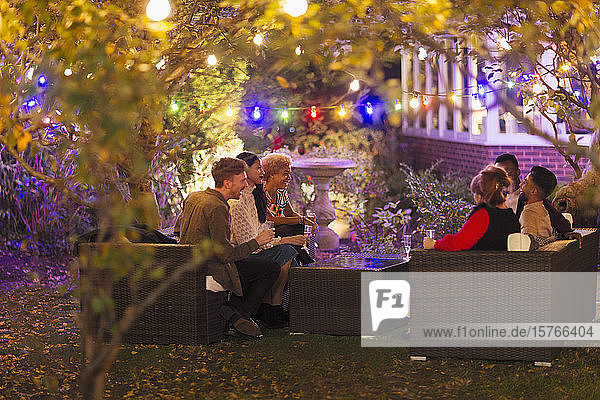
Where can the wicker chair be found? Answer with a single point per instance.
(186, 313)
(559, 256)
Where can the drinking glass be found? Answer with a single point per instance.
(430, 233)
(270, 225)
(407, 241)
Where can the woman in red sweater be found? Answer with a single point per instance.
(489, 223)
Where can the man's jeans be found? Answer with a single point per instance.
(257, 276)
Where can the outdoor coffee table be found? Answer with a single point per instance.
(325, 296)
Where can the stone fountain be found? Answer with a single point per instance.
(322, 170)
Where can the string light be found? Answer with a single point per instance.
(295, 8)
(566, 67)
(299, 50)
(174, 106)
(354, 85)
(258, 39)
(29, 74)
(42, 81)
(211, 60)
(46, 120)
(256, 114)
(68, 72)
(480, 90)
(414, 102)
(161, 64)
(157, 10)
(422, 54)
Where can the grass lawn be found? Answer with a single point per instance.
(39, 359)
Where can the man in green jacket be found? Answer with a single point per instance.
(206, 217)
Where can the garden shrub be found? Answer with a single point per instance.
(440, 204)
(34, 215)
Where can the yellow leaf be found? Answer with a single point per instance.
(560, 7)
(23, 141)
(335, 66)
(282, 81)
(109, 49)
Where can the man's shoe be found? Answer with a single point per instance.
(247, 327)
(273, 317)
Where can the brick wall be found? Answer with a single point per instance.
(470, 158)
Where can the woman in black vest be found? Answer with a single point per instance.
(489, 223)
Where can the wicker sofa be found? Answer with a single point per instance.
(559, 256)
(186, 313)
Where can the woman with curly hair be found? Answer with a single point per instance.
(277, 170)
(489, 223)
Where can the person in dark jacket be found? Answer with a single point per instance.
(489, 223)
(206, 218)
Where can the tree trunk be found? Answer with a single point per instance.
(92, 382)
(581, 198)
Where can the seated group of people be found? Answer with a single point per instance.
(506, 206)
(249, 260)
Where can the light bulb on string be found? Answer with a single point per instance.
(426, 101)
(453, 97)
(284, 113)
(397, 105)
(211, 60)
(42, 81)
(29, 74)
(46, 120)
(258, 39)
(295, 8)
(414, 102)
(157, 10)
(342, 112)
(229, 111)
(369, 108)
(299, 50)
(480, 90)
(477, 104)
(68, 72)
(510, 84)
(422, 55)
(354, 85)
(256, 114)
(174, 106)
(566, 67)
(313, 112)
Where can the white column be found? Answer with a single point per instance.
(492, 121)
(416, 83)
(403, 84)
(548, 61)
(472, 84)
(443, 93)
(457, 79)
(429, 90)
